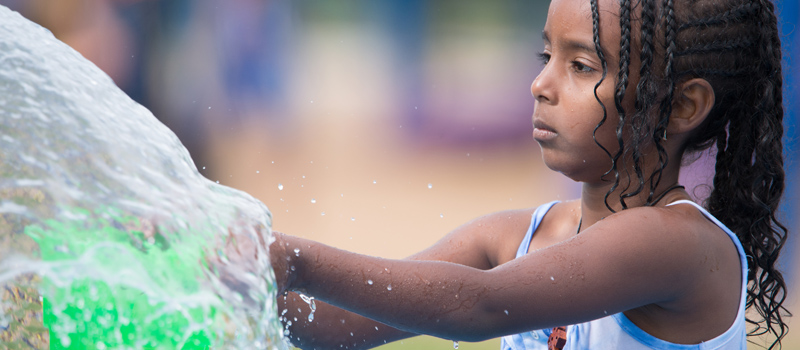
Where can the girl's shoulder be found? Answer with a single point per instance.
(682, 230)
(557, 225)
(499, 234)
(683, 224)
(553, 218)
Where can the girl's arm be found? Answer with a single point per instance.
(476, 244)
(633, 258)
(332, 327)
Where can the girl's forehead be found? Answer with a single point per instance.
(581, 10)
(569, 15)
(572, 19)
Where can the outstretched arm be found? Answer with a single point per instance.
(620, 263)
(332, 327)
(474, 244)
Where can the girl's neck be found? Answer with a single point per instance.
(593, 204)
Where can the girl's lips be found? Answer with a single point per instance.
(542, 132)
(542, 135)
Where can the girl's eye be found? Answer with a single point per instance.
(544, 58)
(581, 68)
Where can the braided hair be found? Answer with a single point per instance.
(734, 45)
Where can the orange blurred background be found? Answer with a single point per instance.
(372, 126)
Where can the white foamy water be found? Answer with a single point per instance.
(104, 215)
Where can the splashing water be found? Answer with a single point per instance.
(109, 236)
(311, 304)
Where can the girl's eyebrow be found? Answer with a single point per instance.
(570, 44)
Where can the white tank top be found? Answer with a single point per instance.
(617, 331)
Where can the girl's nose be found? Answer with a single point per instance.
(542, 87)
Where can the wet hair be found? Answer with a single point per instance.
(735, 46)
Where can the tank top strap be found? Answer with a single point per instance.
(536, 219)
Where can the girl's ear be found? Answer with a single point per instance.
(693, 101)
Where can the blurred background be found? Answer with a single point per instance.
(373, 126)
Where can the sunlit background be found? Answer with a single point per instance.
(372, 125)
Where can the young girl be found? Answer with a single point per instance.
(627, 89)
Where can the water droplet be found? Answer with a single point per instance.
(296, 251)
(209, 107)
(441, 215)
(374, 182)
(323, 213)
(292, 268)
(376, 328)
(389, 287)
(506, 311)
(430, 185)
(455, 344)
(369, 282)
(312, 304)
(280, 187)
(304, 176)
(351, 334)
(257, 171)
(552, 278)
(605, 312)
(204, 168)
(313, 200)
(352, 219)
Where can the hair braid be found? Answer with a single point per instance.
(621, 89)
(599, 50)
(744, 10)
(646, 94)
(726, 45)
(670, 36)
(701, 72)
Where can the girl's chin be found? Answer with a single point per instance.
(577, 172)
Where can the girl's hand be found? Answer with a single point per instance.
(281, 259)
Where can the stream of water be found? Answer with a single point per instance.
(109, 236)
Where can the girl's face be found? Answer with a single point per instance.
(566, 111)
